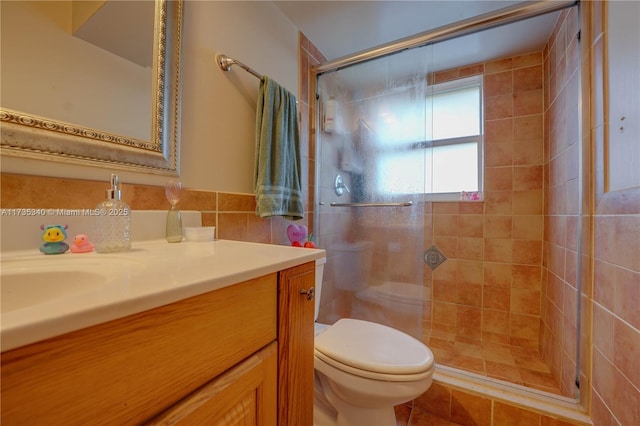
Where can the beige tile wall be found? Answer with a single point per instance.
(610, 337)
(558, 329)
(233, 215)
(308, 56)
(489, 289)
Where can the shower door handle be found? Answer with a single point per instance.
(404, 204)
(310, 293)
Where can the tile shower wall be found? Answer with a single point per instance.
(558, 329)
(490, 287)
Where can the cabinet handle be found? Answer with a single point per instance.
(310, 293)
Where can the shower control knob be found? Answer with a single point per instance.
(310, 293)
(339, 186)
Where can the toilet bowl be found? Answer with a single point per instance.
(363, 369)
(353, 261)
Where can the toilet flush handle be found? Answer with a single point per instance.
(310, 293)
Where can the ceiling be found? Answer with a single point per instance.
(341, 28)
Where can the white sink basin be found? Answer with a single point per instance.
(25, 289)
(46, 296)
(31, 281)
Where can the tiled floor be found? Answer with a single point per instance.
(510, 363)
(406, 416)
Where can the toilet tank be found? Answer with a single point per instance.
(319, 274)
(352, 265)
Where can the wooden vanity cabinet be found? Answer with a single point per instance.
(244, 395)
(242, 354)
(295, 345)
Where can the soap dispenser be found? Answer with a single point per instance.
(113, 218)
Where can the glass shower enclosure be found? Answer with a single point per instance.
(371, 218)
(441, 190)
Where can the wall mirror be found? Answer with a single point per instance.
(69, 98)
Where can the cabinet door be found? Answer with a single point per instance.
(245, 395)
(126, 371)
(295, 345)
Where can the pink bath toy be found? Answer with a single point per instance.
(297, 234)
(81, 244)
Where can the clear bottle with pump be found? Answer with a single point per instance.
(113, 219)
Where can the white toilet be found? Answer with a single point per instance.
(363, 369)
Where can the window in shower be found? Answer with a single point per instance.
(450, 155)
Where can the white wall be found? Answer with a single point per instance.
(218, 114)
(218, 108)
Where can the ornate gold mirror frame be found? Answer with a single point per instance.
(29, 136)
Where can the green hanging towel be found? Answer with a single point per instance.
(277, 185)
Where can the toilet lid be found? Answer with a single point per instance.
(374, 347)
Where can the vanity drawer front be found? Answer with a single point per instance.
(128, 370)
(244, 395)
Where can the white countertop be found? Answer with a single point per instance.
(152, 274)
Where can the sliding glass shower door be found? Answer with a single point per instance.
(449, 197)
(371, 179)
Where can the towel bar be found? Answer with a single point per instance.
(225, 63)
(404, 204)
